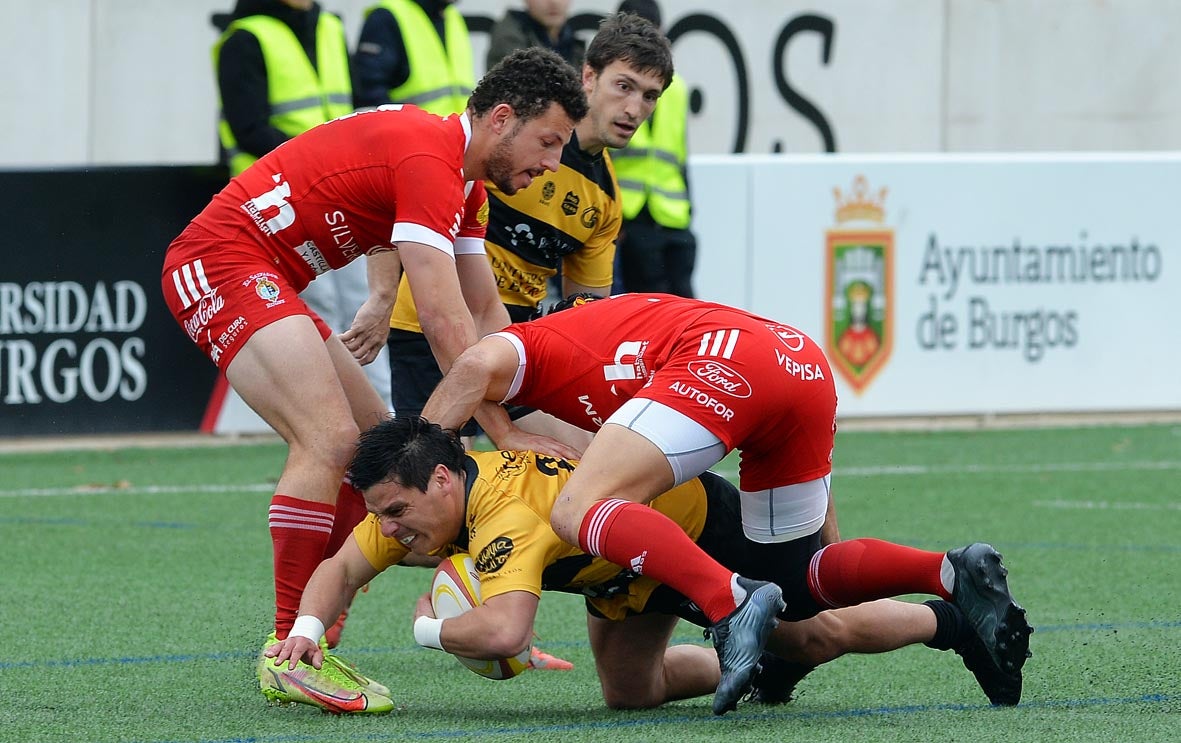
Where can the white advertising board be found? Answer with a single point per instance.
(990, 284)
(113, 82)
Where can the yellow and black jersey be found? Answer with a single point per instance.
(507, 532)
(572, 216)
(569, 218)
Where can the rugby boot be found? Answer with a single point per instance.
(1001, 687)
(982, 593)
(327, 688)
(775, 681)
(739, 639)
(352, 672)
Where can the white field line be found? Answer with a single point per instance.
(138, 490)
(888, 470)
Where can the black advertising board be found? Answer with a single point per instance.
(86, 342)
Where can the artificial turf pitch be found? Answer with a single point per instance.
(136, 592)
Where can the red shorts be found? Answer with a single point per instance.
(773, 399)
(222, 297)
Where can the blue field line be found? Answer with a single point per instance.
(243, 655)
(733, 721)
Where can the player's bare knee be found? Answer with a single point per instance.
(834, 638)
(630, 697)
(566, 519)
(330, 446)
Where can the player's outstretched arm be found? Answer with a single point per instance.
(482, 373)
(327, 594)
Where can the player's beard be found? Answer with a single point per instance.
(499, 169)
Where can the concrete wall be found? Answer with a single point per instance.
(130, 81)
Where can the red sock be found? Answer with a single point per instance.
(300, 529)
(641, 538)
(350, 510)
(847, 573)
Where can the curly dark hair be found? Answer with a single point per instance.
(628, 37)
(574, 300)
(530, 80)
(404, 450)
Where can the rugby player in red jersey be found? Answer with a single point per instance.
(404, 188)
(671, 385)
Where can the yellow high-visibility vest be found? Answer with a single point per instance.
(441, 79)
(300, 95)
(649, 169)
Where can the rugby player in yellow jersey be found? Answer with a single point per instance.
(569, 219)
(427, 496)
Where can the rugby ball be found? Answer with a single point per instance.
(456, 589)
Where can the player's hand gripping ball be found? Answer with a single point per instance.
(456, 589)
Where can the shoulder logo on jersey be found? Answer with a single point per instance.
(590, 216)
(570, 204)
(859, 294)
(482, 215)
(493, 557)
(270, 211)
(721, 378)
(547, 192)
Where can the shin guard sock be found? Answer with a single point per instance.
(949, 625)
(350, 510)
(859, 570)
(300, 530)
(635, 536)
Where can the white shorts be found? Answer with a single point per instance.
(778, 514)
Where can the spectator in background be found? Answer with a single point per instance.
(542, 23)
(282, 68)
(656, 250)
(415, 51)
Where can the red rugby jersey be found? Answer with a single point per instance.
(350, 187)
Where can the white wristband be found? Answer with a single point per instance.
(426, 632)
(307, 626)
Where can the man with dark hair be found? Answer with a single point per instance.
(427, 496)
(394, 184)
(566, 221)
